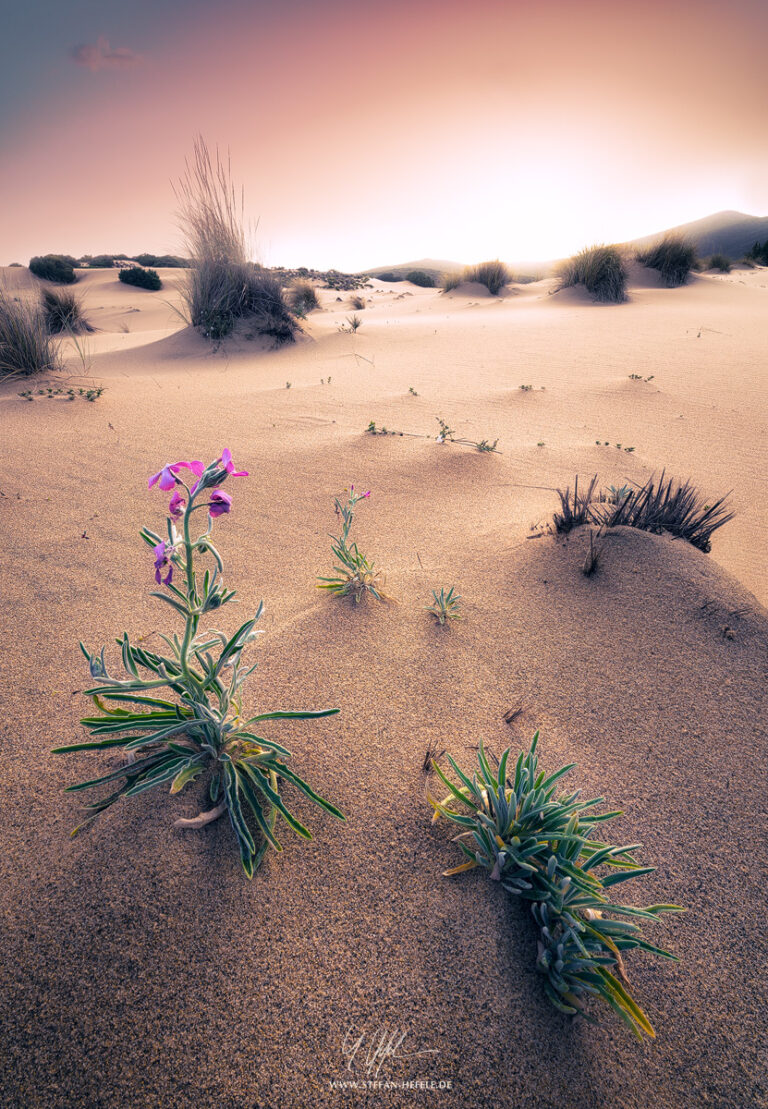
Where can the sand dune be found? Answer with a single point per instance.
(140, 968)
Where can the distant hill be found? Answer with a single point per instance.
(729, 233)
(433, 266)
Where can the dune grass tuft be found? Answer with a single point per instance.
(673, 256)
(672, 506)
(600, 269)
(223, 287)
(575, 507)
(63, 312)
(26, 346)
(494, 275)
(302, 297)
(720, 263)
(450, 281)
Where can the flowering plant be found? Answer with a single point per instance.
(355, 576)
(201, 730)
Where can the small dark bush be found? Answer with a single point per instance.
(390, 276)
(15, 265)
(494, 275)
(673, 256)
(59, 268)
(167, 261)
(358, 303)
(100, 262)
(26, 347)
(302, 297)
(600, 269)
(143, 279)
(720, 263)
(419, 277)
(63, 313)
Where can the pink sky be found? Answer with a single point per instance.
(367, 133)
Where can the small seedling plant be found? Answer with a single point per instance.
(446, 434)
(200, 727)
(355, 575)
(58, 393)
(541, 846)
(445, 605)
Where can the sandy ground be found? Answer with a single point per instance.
(140, 968)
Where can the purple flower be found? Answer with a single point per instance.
(229, 466)
(176, 507)
(220, 503)
(163, 551)
(166, 476)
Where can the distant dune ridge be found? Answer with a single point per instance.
(729, 233)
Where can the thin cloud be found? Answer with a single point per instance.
(100, 55)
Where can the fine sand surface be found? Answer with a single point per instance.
(139, 967)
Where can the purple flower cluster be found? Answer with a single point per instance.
(219, 505)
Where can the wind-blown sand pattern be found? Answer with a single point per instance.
(139, 967)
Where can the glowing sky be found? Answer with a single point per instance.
(368, 132)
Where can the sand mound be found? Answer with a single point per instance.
(146, 951)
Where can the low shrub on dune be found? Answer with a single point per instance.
(600, 269)
(64, 313)
(494, 275)
(141, 278)
(302, 297)
(421, 278)
(673, 256)
(26, 346)
(390, 276)
(59, 268)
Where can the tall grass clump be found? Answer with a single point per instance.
(223, 287)
(302, 297)
(450, 281)
(600, 269)
(494, 275)
(59, 268)
(543, 846)
(673, 256)
(26, 346)
(63, 312)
